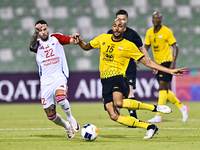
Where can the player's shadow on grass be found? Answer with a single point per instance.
(112, 136)
(168, 120)
(50, 136)
(115, 126)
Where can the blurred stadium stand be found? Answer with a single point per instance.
(91, 18)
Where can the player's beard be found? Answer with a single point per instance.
(117, 36)
(45, 38)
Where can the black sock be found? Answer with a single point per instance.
(154, 127)
(155, 109)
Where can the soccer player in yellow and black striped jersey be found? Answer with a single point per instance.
(160, 38)
(114, 58)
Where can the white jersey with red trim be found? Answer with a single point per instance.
(51, 59)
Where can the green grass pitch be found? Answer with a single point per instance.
(26, 127)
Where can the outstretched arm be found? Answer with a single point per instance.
(85, 46)
(82, 44)
(154, 65)
(144, 51)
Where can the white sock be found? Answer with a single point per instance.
(66, 108)
(182, 108)
(61, 122)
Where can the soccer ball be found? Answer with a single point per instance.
(89, 132)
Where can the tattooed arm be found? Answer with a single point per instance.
(33, 43)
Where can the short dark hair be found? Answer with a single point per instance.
(122, 12)
(41, 22)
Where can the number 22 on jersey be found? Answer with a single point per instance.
(49, 53)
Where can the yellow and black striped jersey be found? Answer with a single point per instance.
(160, 43)
(114, 55)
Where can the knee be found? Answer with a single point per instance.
(51, 112)
(118, 104)
(51, 117)
(162, 87)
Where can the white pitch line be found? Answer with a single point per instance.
(181, 128)
(38, 129)
(35, 138)
(34, 129)
(25, 138)
(159, 128)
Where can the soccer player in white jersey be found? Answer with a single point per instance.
(54, 72)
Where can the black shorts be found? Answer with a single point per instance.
(110, 85)
(162, 76)
(131, 73)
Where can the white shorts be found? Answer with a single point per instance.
(48, 92)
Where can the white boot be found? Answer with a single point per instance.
(156, 119)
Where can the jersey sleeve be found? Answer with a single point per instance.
(170, 37)
(95, 43)
(135, 53)
(137, 40)
(63, 39)
(147, 40)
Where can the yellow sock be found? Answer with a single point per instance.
(131, 121)
(162, 99)
(173, 99)
(134, 105)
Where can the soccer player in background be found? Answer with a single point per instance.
(160, 38)
(131, 71)
(115, 53)
(54, 72)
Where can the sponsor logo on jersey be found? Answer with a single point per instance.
(103, 43)
(53, 43)
(47, 46)
(108, 57)
(120, 48)
(42, 47)
(51, 61)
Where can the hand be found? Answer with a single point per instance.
(77, 37)
(38, 27)
(155, 71)
(179, 71)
